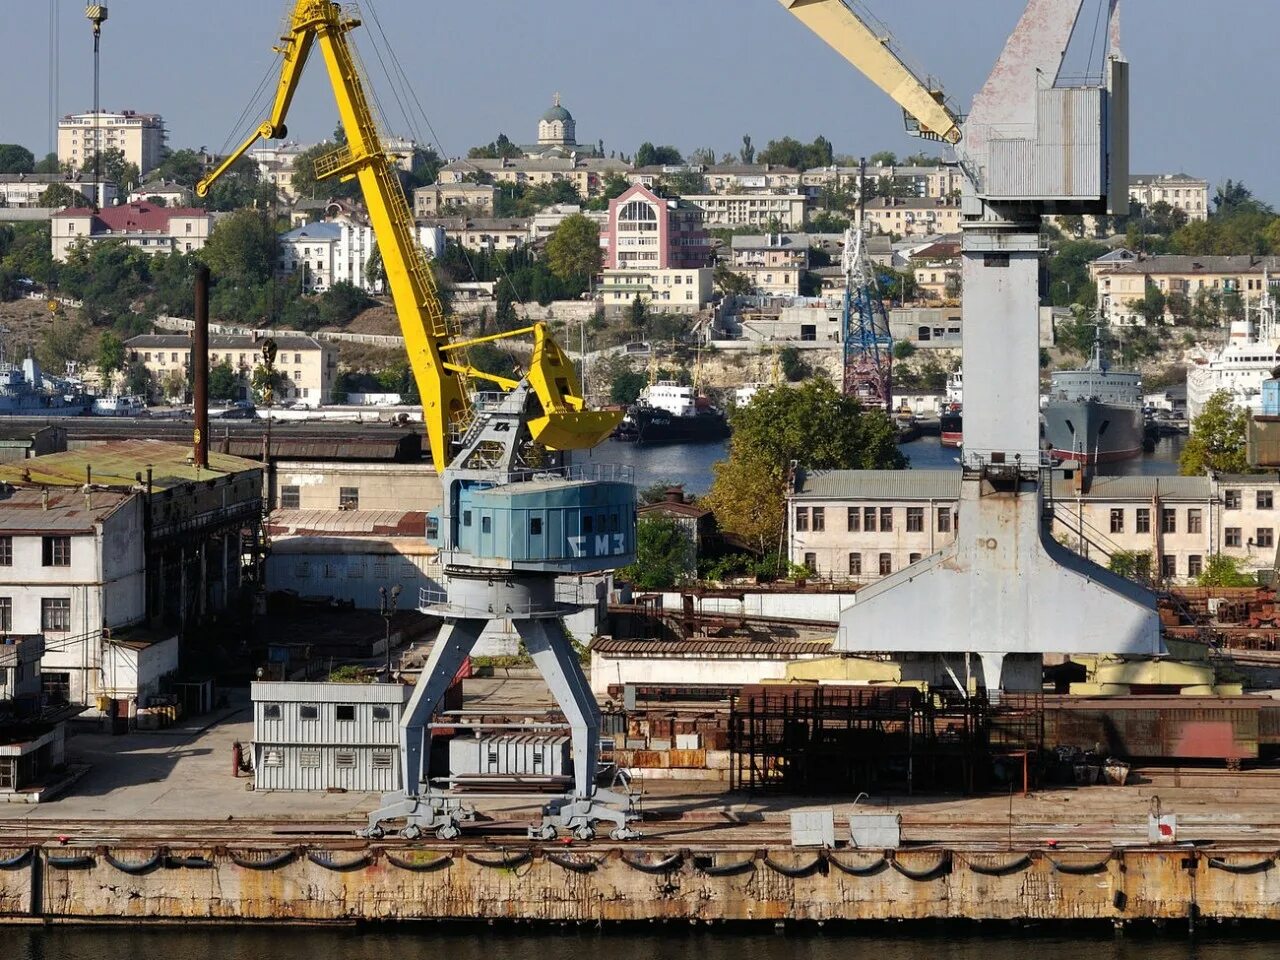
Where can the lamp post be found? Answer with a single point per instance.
(387, 607)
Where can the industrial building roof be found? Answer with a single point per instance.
(1137, 488)
(879, 485)
(118, 463)
(28, 510)
(348, 523)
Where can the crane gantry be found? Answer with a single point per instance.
(515, 513)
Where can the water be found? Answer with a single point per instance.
(473, 942)
(691, 463)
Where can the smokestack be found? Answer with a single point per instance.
(200, 368)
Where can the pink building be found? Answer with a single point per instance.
(647, 232)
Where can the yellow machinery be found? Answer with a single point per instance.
(437, 359)
(516, 514)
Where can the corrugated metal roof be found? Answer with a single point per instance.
(705, 647)
(1137, 488)
(118, 462)
(880, 485)
(396, 523)
(24, 510)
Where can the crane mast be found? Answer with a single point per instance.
(1034, 143)
(516, 515)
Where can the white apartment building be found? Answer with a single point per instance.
(454, 199)
(913, 216)
(309, 366)
(71, 563)
(861, 525)
(139, 136)
(22, 191)
(785, 210)
(774, 262)
(150, 228)
(169, 192)
(673, 290)
(275, 165)
(1182, 192)
(338, 250)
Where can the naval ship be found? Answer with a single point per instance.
(668, 412)
(1094, 414)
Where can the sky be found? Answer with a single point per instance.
(691, 73)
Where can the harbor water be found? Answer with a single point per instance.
(691, 463)
(470, 942)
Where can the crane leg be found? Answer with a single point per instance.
(415, 803)
(578, 812)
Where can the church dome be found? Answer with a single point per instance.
(557, 113)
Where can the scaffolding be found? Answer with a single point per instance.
(827, 740)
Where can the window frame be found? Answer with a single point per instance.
(915, 519)
(290, 497)
(47, 607)
(55, 550)
(308, 711)
(344, 712)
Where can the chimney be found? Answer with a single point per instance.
(44, 498)
(200, 368)
(674, 494)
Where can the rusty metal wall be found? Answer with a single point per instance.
(612, 883)
(1206, 728)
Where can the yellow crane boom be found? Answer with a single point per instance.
(442, 380)
(846, 32)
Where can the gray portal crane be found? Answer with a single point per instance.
(1034, 143)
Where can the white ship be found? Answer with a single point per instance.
(1250, 356)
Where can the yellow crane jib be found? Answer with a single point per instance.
(442, 385)
(854, 39)
(565, 422)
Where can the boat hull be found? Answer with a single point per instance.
(1092, 432)
(652, 427)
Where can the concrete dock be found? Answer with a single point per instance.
(159, 830)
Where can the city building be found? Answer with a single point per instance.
(557, 127)
(139, 136)
(161, 192)
(861, 525)
(780, 211)
(586, 174)
(773, 262)
(935, 182)
(337, 250)
(696, 523)
(150, 228)
(665, 291)
(1124, 277)
(327, 736)
(309, 366)
(488, 234)
(937, 272)
(23, 191)
(454, 199)
(275, 165)
(724, 178)
(32, 734)
(647, 232)
(913, 216)
(794, 320)
(544, 223)
(1182, 192)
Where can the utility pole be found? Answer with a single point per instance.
(387, 607)
(97, 15)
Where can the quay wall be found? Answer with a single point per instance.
(614, 882)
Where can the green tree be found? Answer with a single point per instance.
(650, 156)
(573, 250)
(60, 195)
(747, 154)
(1131, 564)
(615, 185)
(790, 152)
(500, 149)
(114, 167)
(223, 382)
(30, 253)
(137, 380)
(48, 164)
(1151, 306)
(731, 283)
(1224, 571)
(111, 356)
(15, 158)
(174, 386)
(1230, 197)
(242, 248)
(1068, 267)
(64, 341)
(812, 425)
(1217, 441)
(884, 158)
(264, 380)
(794, 367)
(664, 555)
(182, 166)
(638, 315)
(305, 182)
(239, 186)
(109, 278)
(826, 221)
(342, 303)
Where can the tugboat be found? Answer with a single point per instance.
(667, 412)
(1094, 414)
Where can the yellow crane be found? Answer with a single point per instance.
(435, 356)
